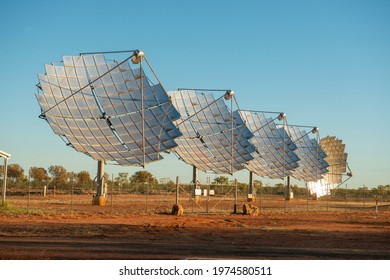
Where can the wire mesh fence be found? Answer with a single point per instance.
(209, 199)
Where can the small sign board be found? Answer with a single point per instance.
(198, 191)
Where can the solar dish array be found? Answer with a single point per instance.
(275, 157)
(214, 139)
(312, 164)
(336, 157)
(96, 105)
(111, 111)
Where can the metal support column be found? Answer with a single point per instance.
(195, 181)
(288, 188)
(100, 197)
(251, 197)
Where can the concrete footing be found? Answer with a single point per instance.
(99, 200)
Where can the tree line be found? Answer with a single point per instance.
(280, 189)
(57, 176)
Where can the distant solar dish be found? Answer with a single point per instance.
(214, 138)
(312, 164)
(336, 157)
(338, 166)
(274, 157)
(107, 109)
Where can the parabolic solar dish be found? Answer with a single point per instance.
(108, 109)
(312, 164)
(214, 138)
(336, 157)
(337, 160)
(274, 156)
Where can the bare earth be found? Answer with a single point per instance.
(322, 235)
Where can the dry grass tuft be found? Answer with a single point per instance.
(249, 209)
(177, 210)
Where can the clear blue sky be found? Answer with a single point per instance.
(324, 63)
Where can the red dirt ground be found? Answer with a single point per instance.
(322, 235)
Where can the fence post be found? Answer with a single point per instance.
(28, 196)
(261, 198)
(177, 190)
(327, 197)
(147, 196)
(364, 196)
(71, 194)
(376, 204)
(208, 195)
(346, 197)
(112, 190)
(235, 196)
(307, 197)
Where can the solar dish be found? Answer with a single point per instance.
(338, 166)
(274, 157)
(108, 109)
(336, 157)
(312, 164)
(214, 138)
